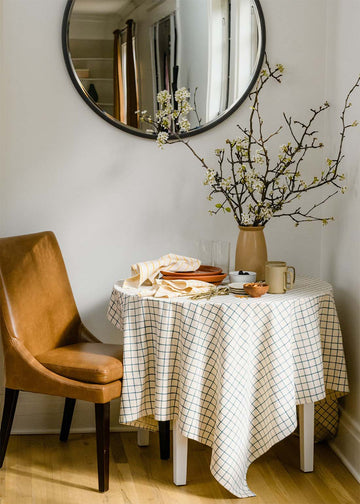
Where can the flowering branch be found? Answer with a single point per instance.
(246, 181)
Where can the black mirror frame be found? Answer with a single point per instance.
(129, 129)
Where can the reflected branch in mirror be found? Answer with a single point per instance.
(195, 109)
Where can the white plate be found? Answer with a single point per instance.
(237, 291)
(236, 285)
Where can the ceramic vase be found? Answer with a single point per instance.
(251, 253)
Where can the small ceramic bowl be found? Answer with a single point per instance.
(256, 289)
(244, 277)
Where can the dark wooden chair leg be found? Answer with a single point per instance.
(102, 414)
(67, 418)
(11, 397)
(164, 439)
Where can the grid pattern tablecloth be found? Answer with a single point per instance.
(230, 370)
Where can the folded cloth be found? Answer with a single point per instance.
(146, 272)
(174, 288)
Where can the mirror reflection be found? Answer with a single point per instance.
(121, 53)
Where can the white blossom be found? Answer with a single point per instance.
(162, 139)
(226, 183)
(258, 186)
(210, 177)
(163, 97)
(266, 213)
(166, 122)
(184, 124)
(182, 94)
(246, 220)
(186, 108)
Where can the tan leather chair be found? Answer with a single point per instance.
(47, 349)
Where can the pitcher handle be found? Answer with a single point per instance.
(291, 275)
(292, 267)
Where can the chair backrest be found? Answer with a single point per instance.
(36, 300)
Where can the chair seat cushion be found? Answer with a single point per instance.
(87, 362)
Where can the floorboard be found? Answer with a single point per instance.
(41, 470)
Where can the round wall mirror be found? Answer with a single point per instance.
(121, 53)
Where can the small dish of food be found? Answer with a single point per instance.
(242, 276)
(256, 289)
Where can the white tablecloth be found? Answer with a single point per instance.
(230, 370)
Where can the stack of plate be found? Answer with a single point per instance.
(210, 274)
(237, 288)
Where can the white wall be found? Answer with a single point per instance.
(2, 133)
(341, 242)
(114, 199)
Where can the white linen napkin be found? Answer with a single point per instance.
(170, 288)
(175, 288)
(145, 273)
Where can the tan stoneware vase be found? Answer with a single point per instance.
(251, 252)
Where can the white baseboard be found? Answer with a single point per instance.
(346, 445)
(78, 430)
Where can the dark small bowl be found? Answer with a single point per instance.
(256, 289)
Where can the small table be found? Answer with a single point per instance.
(230, 371)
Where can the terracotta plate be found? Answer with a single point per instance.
(216, 279)
(202, 271)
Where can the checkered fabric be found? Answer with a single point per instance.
(229, 370)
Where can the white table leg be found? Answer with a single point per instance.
(143, 437)
(306, 431)
(180, 450)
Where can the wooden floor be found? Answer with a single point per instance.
(41, 470)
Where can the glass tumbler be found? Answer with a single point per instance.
(221, 255)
